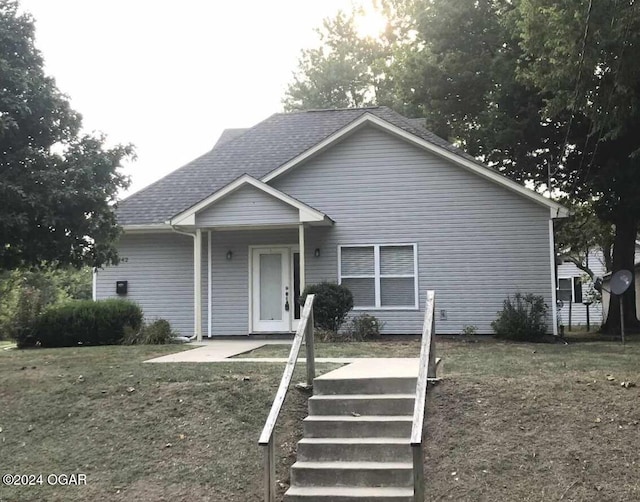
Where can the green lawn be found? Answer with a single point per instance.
(517, 422)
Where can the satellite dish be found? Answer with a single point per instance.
(621, 281)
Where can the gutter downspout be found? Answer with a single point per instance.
(197, 281)
(552, 256)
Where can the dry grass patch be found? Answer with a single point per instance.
(384, 348)
(517, 422)
(535, 423)
(148, 432)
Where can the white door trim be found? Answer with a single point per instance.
(291, 249)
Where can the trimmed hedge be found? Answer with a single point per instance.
(84, 323)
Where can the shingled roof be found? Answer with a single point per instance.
(256, 151)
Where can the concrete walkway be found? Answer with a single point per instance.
(224, 351)
(216, 351)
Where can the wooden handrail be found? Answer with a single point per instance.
(266, 441)
(426, 371)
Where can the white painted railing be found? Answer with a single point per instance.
(267, 440)
(426, 372)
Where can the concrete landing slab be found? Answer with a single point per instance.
(375, 368)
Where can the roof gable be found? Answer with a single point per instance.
(470, 164)
(306, 214)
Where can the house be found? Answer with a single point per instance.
(364, 197)
(575, 289)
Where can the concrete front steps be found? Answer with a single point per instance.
(356, 438)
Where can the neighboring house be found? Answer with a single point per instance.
(364, 197)
(575, 287)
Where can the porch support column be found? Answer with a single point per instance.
(302, 253)
(209, 288)
(197, 283)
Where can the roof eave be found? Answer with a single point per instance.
(146, 228)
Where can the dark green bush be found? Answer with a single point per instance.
(84, 323)
(331, 305)
(158, 332)
(523, 318)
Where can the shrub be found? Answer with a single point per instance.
(158, 332)
(524, 318)
(469, 330)
(26, 293)
(29, 305)
(331, 305)
(84, 322)
(363, 327)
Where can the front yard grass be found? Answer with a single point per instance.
(524, 422)
(534, 422)
(147, 432)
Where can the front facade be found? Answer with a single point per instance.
(366, 198)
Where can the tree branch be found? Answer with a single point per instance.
(578, 264)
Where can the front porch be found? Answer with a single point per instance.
(251, 246)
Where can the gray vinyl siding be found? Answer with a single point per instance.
(159, 271)
(230, 278)
(578, 310)
(477, 242)
(248, 206)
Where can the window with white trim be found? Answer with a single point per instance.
(380, 276)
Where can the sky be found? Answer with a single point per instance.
(169, 76)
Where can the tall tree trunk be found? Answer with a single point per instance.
(624, 247)
(607, 254)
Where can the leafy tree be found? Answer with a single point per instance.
(338, 73)
(547, 92)
(589, 69)
(581, 233)
(462, 77)
(24, 293)
(348, 70)
(58, 186)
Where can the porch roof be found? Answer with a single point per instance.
(247, 201)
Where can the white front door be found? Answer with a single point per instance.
(272, 296)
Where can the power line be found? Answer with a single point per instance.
(577, 89)
(616, 72)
